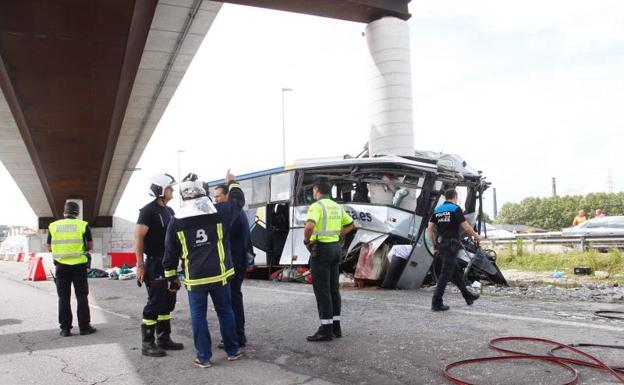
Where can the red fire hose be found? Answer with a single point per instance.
(563, 362)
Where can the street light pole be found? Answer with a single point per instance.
(284, 90)
(179, 178)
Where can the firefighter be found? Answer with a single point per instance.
(326, 222)
(70, 240)
(448, 219)
(150, 240)
(199, 235)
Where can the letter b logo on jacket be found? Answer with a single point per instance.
(201, 237)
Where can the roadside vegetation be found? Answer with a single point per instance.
(611, 262)
(556, 213)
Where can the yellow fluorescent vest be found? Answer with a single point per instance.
(67, 241)
(329, 218)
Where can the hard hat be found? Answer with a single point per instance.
(191, 187)
(72, 208)
(159, 183)
(195, 200)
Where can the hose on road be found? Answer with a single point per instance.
(564, 362)
(609, 314)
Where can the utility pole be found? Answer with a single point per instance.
(180, 177)
(609, 182)
(554, 187)
(284, 90)
(494, 201)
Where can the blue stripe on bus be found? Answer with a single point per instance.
(250, 175)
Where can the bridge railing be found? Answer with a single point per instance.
(556, 242)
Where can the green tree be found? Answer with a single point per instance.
(555, 213)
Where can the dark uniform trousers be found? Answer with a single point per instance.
(324, 265)
(66, 275)
(450, 271)
(237, 305)
(160, 301)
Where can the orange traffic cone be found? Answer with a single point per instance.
(35, 269)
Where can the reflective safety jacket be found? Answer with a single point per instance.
(67, 241)
(202, 241)
(329, 218)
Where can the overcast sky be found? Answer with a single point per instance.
(523, 90)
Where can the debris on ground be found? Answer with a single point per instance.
(126, 272)
(97, 273)
(586, 293)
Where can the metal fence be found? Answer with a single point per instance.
(550, 241)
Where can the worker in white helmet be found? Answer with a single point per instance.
(150, 233)
(199, 235)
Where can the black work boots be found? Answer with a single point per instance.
(163, 336)
(440, 307)
(336, 331)
(324, 333)
(470, 298)
(149, 348)
(88, 330)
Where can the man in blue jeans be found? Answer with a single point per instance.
(240, 245)
(199, 235)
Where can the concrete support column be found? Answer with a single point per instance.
(391, 119)
(390, 106)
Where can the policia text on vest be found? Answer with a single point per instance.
(448, 220)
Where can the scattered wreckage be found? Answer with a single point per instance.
(390, 199)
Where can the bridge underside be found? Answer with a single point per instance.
(84, 84)
(363, 11)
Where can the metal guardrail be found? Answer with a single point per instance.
(556, 239)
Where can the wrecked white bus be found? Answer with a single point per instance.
(389, 198)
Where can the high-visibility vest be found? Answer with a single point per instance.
(331, 219)
(67, 241)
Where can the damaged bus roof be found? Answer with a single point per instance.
(446, 166)
(329, 162)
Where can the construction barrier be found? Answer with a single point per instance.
(20, 257)
(36, 271)
(120, 259)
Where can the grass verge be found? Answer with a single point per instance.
(612, 262)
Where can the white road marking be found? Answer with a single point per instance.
(110, 312)
(474, 313)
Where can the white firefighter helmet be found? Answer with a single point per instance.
(159, 183)
(191, 187)
(195, 198)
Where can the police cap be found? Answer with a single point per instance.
(322, 183)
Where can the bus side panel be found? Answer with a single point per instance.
(260, 259)
(294, 246)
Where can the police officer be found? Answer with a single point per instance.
(326, 221)
(70, 240)
(448, 219)
(150, 240)
(199, 235)
(240, 246)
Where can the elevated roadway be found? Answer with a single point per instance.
(85, 82)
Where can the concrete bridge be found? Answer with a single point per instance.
(84, 84)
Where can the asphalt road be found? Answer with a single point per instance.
(390, 337)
